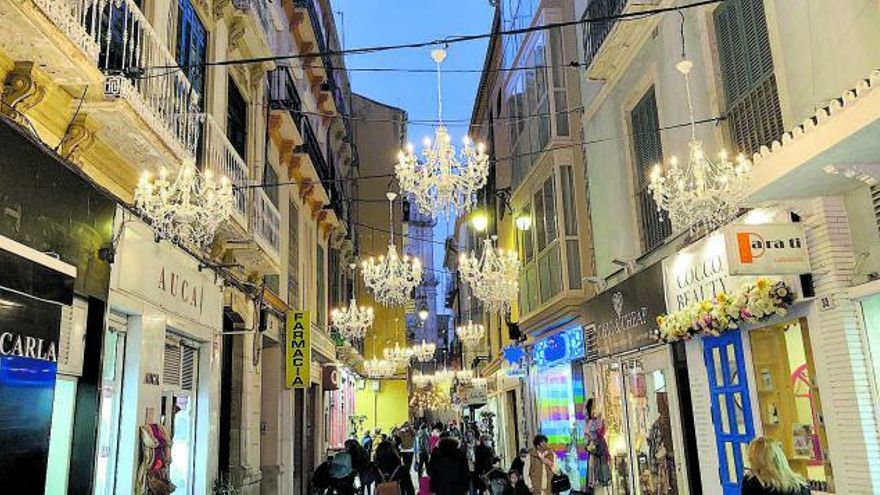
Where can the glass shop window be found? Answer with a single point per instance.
(788, 397)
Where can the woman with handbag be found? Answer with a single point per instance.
(542, 477)
(599, 469)
(392, 471)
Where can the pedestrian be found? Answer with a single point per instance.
(407, 445)
(448, 469)
(484, 459)
(599, 461)
(342, 472)
(539, 467)
(434, 439)
(519, 462)
(391, 468)
(422, 448)
(770, 473)
(367, 443)
(515, 484)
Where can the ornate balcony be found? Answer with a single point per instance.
(605, 42)
(108, 44)
(219, 156)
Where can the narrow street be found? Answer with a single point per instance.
(470, 247)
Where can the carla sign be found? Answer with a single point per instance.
(624, 317)
(775, 248)
(15, 344)
(298, 353)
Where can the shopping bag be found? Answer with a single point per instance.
(424, 485)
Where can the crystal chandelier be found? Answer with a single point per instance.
(464, 376)
(705, 193)
(398, 355)
(188, 208)
(493, 276)
(420, 380)
(352, 322)
(424, 352)
(442, 182)
(470, 334)
(392, 278)
(380, 368)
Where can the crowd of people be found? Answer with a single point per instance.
(457, 459)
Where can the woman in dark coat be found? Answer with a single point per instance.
(391, 468)
(448, 469)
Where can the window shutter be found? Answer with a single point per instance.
(188, 368)
(753, 111)
(648, 151)
(172, 364)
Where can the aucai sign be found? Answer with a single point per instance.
(777, 249)
(298, 353)
(624, 317)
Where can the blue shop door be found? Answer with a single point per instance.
(731, 407)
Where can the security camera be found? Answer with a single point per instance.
(599, 282)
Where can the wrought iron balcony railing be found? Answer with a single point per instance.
(267, 223)
(595, 33)
(221, 157)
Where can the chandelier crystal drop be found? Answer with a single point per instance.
(392, 278)
(443, 180)
(188, 208)
(424, 352)
(493, 276)
(704, 193)
(470, 334)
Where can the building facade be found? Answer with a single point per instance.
(789, 378)
(182, 342)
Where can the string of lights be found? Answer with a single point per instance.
(449, 40)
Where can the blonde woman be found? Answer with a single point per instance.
(770, 473)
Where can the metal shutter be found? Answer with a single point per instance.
(172, 363)
(648, 151)
(188, 368)
(753, 112)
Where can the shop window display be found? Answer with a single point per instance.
(788, 398)
(561, 414)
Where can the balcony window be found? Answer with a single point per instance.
(116, 18)
(528, 109)
(192, 43)
(541, 277)
(647, 152)
(753, 112)
(322, 297)
(596, 32)
(271, 177)
(560, 98)
(570, 227)
(236, 119)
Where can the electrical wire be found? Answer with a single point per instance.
(444, 41)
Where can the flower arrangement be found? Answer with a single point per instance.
(753, 303)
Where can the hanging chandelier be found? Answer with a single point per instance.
(392, 278)
(464, 376)
(493, 276)
(704, 193)
(441, 181)
(188, 208)
(424, 352)
(420, 380)
(398, 355)
(353, 322)
(470, 334)
(380, 368)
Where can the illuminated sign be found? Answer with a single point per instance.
(768, 249)
(561, 347)
(298, 354)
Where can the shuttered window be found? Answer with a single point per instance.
(180, 366)
(754, 116)
(192, 44)
(236, 119)
(648, 151)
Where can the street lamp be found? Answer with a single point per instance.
(480, 221)
(523, 222)
(423, 314)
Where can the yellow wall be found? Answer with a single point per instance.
(390, 405)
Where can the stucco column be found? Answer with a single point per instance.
(841, 359)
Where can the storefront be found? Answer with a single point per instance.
(759, 379)
(338, 385)
(161, 365)
(557, 383)
(50, 216)
(635, 384)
